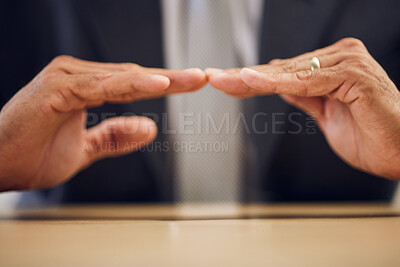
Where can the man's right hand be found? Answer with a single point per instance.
(43, 139)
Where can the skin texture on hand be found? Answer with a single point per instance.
(351, 97)
(43, 139)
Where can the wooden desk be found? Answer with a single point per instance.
(256, 235)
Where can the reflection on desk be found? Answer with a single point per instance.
(193, 235)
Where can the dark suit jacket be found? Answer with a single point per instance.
(281, 167)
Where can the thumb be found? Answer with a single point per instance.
(118, 136)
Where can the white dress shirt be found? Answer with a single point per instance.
(245, 20)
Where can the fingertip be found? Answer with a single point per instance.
(137, 132)
(215, 80)
(198, 75)
(148, 128)
(195, 77)
(275, 61)
(211, 71)
(118, 136)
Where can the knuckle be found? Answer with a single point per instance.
(61, 59)
(275, 61)
(350, 41)
(305, 75)
(360, 62)
(130, 66)
(352, 44)
(276, 76)
(290, 66)
(47, 78)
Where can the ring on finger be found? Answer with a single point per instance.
(314, 63)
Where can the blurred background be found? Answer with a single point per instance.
(275, 166)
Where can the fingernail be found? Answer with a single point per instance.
(247, 71)
(162, 82)
(161, 78)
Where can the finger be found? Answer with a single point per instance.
(329, 50)
(304, 83)
(88, 90)
(187, 80)
(124, 87)
(72, 65)
(346, 44)
(112, 85)
(109, 66)
(350, 46)
(81, 69)
(228, 81)
(118, 136)
(181, 81)
(299, 64)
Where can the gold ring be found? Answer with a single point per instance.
(314, 63)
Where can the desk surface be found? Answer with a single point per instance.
(216, 235)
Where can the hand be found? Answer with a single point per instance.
(351, 97)
(43, 139)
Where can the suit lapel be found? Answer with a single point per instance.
(132, 38)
